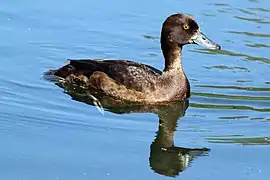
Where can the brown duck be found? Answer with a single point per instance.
(136, 82)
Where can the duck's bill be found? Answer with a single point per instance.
(200, 39)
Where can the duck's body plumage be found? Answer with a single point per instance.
(125, 80)
(136, 82)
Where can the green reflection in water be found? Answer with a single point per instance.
(243, 81)
(234, 117)
(230, 41)
(152, 54)
(258, 45)
(250, 34)
(247, 12)
(234, 107)
(229, 53)
(210, 15)
(228, 68)
(242, 141)
(222, 11)
(260, 9)
(247, 41)
(220, 4)
(257, 118)
(256, 20)
(150, 37)
(236, 87)
(223, 96)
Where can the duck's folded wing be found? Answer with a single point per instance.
(133, 75)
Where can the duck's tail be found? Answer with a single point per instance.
(62, 72)
(50, 73)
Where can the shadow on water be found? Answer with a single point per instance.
(165, 158)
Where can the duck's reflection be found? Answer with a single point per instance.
(165, 158)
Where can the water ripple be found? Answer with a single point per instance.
(229, 53)
(260, 9)
(236, 87)
(228, 68)
(232, 107)
(258, 45)
(256, 20)
(250, 34)
(243, 141)
(247, 12)
(231, 96)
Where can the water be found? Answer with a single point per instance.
(45, 134)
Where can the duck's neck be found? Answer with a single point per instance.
(173, 56)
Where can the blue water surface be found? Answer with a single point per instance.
(45, 134)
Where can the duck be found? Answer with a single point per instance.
(131, 81)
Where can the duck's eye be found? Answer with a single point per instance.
(186, 26)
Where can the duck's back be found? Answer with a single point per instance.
(132, 75)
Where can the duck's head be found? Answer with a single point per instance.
(182, 29)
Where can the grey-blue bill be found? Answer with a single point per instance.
(200, 39)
